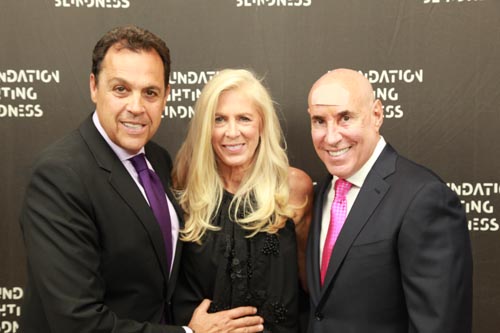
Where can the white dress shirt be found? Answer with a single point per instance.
(124, 157)
(357, 181)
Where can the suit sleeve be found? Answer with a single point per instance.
(436, 262)
(63, 250)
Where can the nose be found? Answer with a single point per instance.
(232, 129)
(333, 134)
(135, 104)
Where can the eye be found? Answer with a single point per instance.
(120, 89)
(345, 116)
(219, 119)
(151, 93)
(245, 118)
(317, 121)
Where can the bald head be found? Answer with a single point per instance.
(345, 121)
(339, 86)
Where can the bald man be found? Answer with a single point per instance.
(388, 250)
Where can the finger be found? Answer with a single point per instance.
(246, 322)
(249, 329)
(241, 312)
(204, 305)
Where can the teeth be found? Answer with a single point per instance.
(338, 152)
(132, 126)
(234, 147)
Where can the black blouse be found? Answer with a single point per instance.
(233, 270)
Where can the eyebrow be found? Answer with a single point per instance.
(344, 112)
(238, 113)
(117, 79)
(325, 104)
(120, 80)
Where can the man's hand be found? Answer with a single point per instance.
(237, 320)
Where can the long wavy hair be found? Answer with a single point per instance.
(263, 193)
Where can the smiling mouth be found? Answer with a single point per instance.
(338, 152)
(234, 147)
(133, 126)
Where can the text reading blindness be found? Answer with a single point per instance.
(114, 4)
(273, 3)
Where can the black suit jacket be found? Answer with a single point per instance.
(96, 260)
(402, 262)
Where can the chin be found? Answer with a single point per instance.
(337, 172)
(133, 149)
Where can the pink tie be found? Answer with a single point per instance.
(338, 215)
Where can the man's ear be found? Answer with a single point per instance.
(378, 113)
(93, 87)
(167, 92)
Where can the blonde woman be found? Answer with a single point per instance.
(246, 208)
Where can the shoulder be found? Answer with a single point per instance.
(405, 167)
(416, 173)
(61, 172)
(298, 178)
(68, 151)
(299, 181)
(158, 155)
(301, 186)
(155, 149)
(413, 180)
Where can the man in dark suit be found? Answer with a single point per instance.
(401, 261)
(97, 259)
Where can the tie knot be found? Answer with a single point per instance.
(139, 162)
(342, 186)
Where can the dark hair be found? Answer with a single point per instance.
(135, 39)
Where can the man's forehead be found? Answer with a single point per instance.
(332, 94)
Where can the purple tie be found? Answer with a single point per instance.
(157, 200)
(338, 215)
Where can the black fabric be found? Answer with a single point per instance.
(233, 270)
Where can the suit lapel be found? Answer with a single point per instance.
(122, 182)
(371, 193)
(314, 242)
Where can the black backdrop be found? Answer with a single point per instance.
(435, 64)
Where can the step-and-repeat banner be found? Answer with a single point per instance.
(434, 63)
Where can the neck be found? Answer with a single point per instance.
(232, 177)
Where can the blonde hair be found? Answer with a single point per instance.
(264, 190)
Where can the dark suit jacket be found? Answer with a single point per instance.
(96, 260)
(402, 262)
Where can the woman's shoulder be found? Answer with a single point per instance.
(300, 185)
(301, 194)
